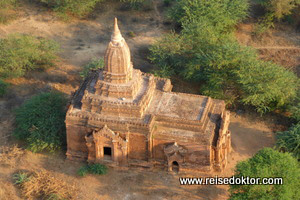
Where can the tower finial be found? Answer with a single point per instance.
(116, 36)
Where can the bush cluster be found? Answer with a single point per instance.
(22, 53)
(223, 15)
(93, 65)
(142, 5)
(8, 3)
(207, 52)
(40, 122)
(275, 11)
(268, 163)
(81, 8)
(92, 169)
(78, 8)
(289, 141)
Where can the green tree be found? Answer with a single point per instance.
(78, 8)
(223, 15)
(266, 86)
(279, 8)
(275, 11)
(207, 52)
(40, 122)
(268, 163)
(22, 53)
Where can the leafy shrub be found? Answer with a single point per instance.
(296, 112)
(279, 8)
(93, 65)
(92, 169)
(40, 122)
(294, 108)
(21, 53)
(8, 3)
(3, 87)
(268, 163)
(163, 71)
(289, 141)
(275, 10)
(144, 5)
(266, 86)
(222, 15)
(264, 24)
(79, 8)
(20, 178)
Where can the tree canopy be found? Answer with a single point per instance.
(40, 122)
(268, 163)
(207, 52)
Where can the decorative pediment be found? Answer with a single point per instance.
(106, 132)
(174, 149)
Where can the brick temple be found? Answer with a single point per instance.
(121, 116)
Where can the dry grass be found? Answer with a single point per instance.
(4, 191)
(10, 154)
(45, 186)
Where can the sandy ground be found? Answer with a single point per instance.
(281, 46)
(82, 40)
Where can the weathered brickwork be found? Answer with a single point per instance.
(123, 117)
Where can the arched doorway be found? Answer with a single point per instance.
(175, 166)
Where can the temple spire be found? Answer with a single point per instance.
(116, 36)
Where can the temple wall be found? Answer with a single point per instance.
(158, 148)
(77, 149)
(138, 146)
(198, 154)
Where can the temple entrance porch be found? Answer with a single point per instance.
(106, 146)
